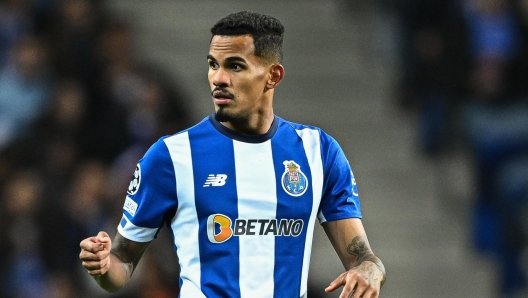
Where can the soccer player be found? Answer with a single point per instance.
(241, 190)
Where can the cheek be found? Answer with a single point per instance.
(248, 91)
(210, 78)
(254, 85)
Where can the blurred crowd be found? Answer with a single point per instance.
(465, 76)
(78, 109)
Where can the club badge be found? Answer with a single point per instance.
(294, 181)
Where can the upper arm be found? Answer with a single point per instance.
(340, 198)
(349, 240)
(151, 199)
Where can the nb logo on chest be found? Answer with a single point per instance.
(215, 180)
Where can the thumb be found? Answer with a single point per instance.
(103, 238)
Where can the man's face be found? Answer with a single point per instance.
(237, 78)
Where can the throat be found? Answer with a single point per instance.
(245, 125)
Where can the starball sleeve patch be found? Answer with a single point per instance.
(136, 181)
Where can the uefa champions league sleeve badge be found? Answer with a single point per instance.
(294, 181)
(136, 180)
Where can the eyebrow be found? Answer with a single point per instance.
(228, 59)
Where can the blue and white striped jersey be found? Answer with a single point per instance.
(241, 208)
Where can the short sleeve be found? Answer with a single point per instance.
(151, 196)
(340, 195)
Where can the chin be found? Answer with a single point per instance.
(222, 115)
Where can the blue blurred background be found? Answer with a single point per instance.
(428, 98)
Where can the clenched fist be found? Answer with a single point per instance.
(95, 254)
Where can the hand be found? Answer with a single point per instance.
(362, 281)
(95, 254)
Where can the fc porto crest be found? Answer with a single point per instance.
(294, 181)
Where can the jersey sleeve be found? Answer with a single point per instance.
(340, 196)
(151, 197)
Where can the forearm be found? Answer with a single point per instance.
(360, 249)
(117, 276)
(111, 264)
(351, 244)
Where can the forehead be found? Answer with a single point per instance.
(241, 45)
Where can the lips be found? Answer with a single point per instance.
(222, 94)
(222, 97)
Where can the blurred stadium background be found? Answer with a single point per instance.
(428, 99)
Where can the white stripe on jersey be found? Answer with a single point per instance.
(185, 223)
(312, 146)
(136, 233)
(254, 162)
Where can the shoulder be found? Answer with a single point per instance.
(156, 155)
(159, 149)
(205, 123)
(310, 132)
(295, 125)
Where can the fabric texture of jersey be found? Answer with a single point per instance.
(241, 208)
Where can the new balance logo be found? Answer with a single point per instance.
(218, 180)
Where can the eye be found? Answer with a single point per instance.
(236, 67)
(213, 65)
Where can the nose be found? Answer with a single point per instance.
(220, 78)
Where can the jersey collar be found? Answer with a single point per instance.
(242, 137)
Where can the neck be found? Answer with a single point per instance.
(256, 124)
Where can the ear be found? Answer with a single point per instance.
(275, 76)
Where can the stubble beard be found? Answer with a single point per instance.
(222, 115)
(240, 121)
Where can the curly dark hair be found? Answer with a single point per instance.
(267, 32)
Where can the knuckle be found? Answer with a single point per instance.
(93, 265)
(88, 266)
(363, 282)
(354, 275)
(102, 253)
(94, 272)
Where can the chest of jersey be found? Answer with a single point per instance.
(241, 210)
(256, 189)
(245, 211)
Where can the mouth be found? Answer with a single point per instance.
(221, 96)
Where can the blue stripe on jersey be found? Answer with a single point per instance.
(213, 157)
(289, 250)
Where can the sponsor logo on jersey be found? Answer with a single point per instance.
(215, 180)
(136, 180)
(221, 228)
(130, 206)
(294, 181)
